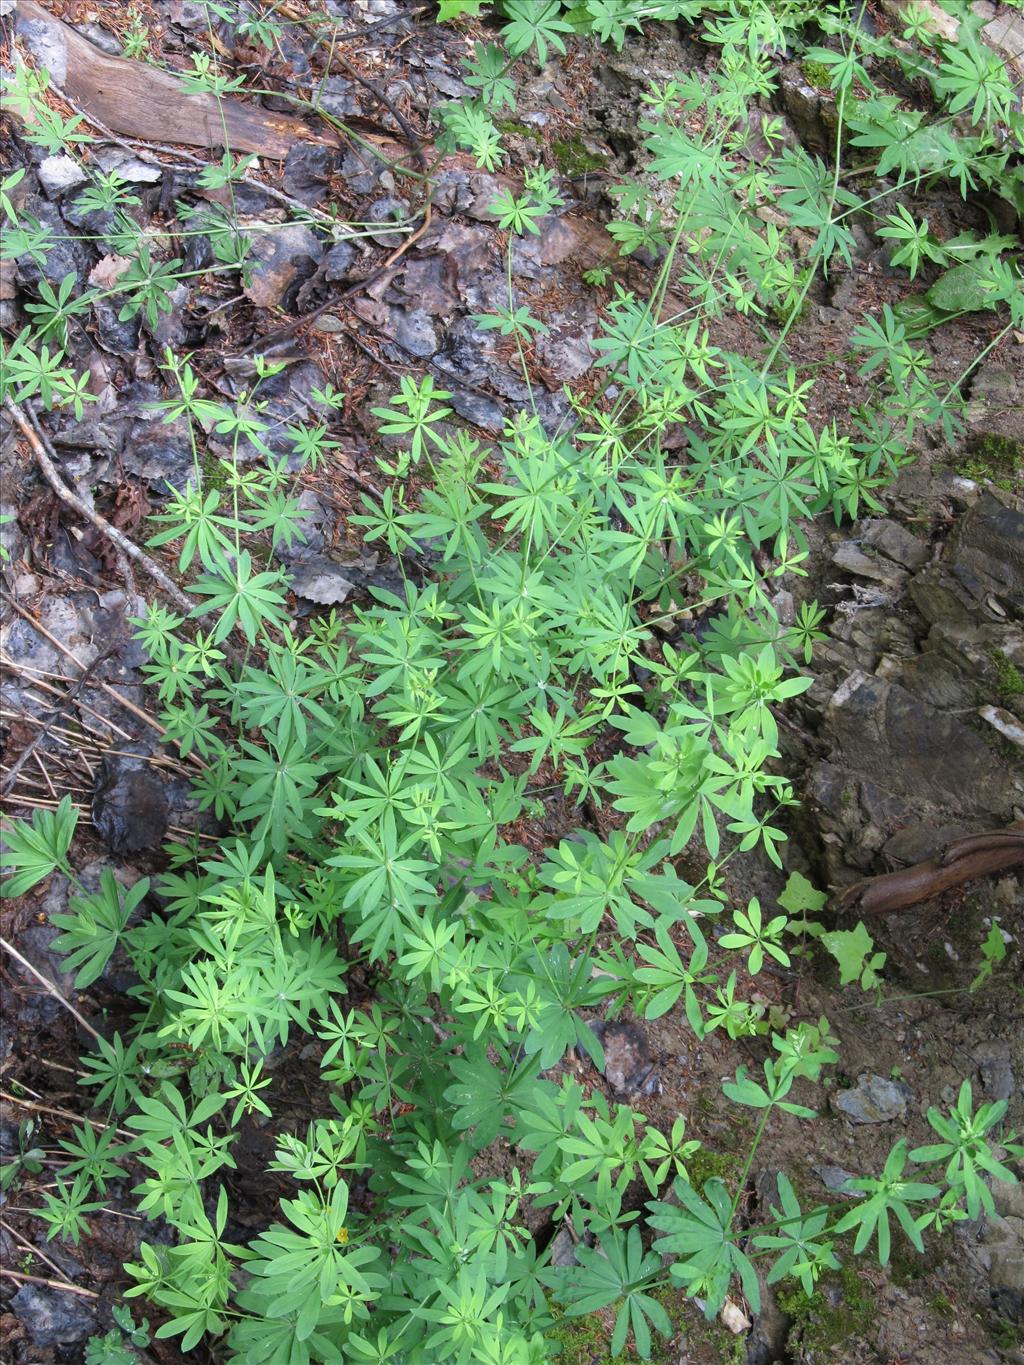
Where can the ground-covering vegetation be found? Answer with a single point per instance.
(375, 891)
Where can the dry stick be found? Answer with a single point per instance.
(42, 686)
(50, 988)
(38, 803)
(45, 457)
(30, 748)
(36, 1251)
(65, 1285)
(110, 691)
(65, 1114)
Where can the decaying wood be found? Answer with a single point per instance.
(140, 101)
(977, 855)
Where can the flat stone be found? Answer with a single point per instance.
(939, 759)
(58, 174)
(874, 1099)
(834, 1179)
(985, 553)
(281, 259)
(995, 1069)
(896, 543)
(851, 559)
(628, 1067)
(1005, 723)
(53, 1318)
(129, 808)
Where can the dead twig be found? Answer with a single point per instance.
(45, 458)
(36, 1251)
(16, 767)
(65, 1285)
(50, 988)
(962, 861)
(65, 1114)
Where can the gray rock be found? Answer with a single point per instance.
(1004, 1252)
(336, 96)
(834, 1179)
(388, 210)
(129, 807)
(58, 174)
(483, 412)
(628, 1067)
(53, 1319)
(563, 1248)
(338, 261)
(940, 760)
(986, 550)
(896, 543)
(281, 259)
(874, 1099)
(414, 331)
(120, 338)
(803, 105)
(308, 169)
(131, 169)
(318, 579)
(997, 1078)
(853, 560)
(160, 454)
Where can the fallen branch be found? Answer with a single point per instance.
(977, 855)
(65, 1285)
(50, 988)
(141, 101)
(45, 457)
(55, 714)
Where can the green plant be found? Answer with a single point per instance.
(28, 1160)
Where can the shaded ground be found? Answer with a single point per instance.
(925, 602)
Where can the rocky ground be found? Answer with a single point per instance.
(911, 736)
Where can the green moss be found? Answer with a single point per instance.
(215, 476)
(816, 73)
(1009, 682)
(513, 127)
(572, 158)
(994, 459)
(704, 1164)
(941, 1307)
(842, 1308)
(1003, 1334)
(581, 1341)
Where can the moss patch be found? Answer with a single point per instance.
(842, 1308)
(704, 1164)
(1009, 681)
(572, 158)
(995, 459)
(511, 126)
(581, 1341)
(816, 74)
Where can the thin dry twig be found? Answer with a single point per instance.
(50, 988)
(65, 1114)
(36, 1251)
(45, 458)
(65, 1285)
(30, 748)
